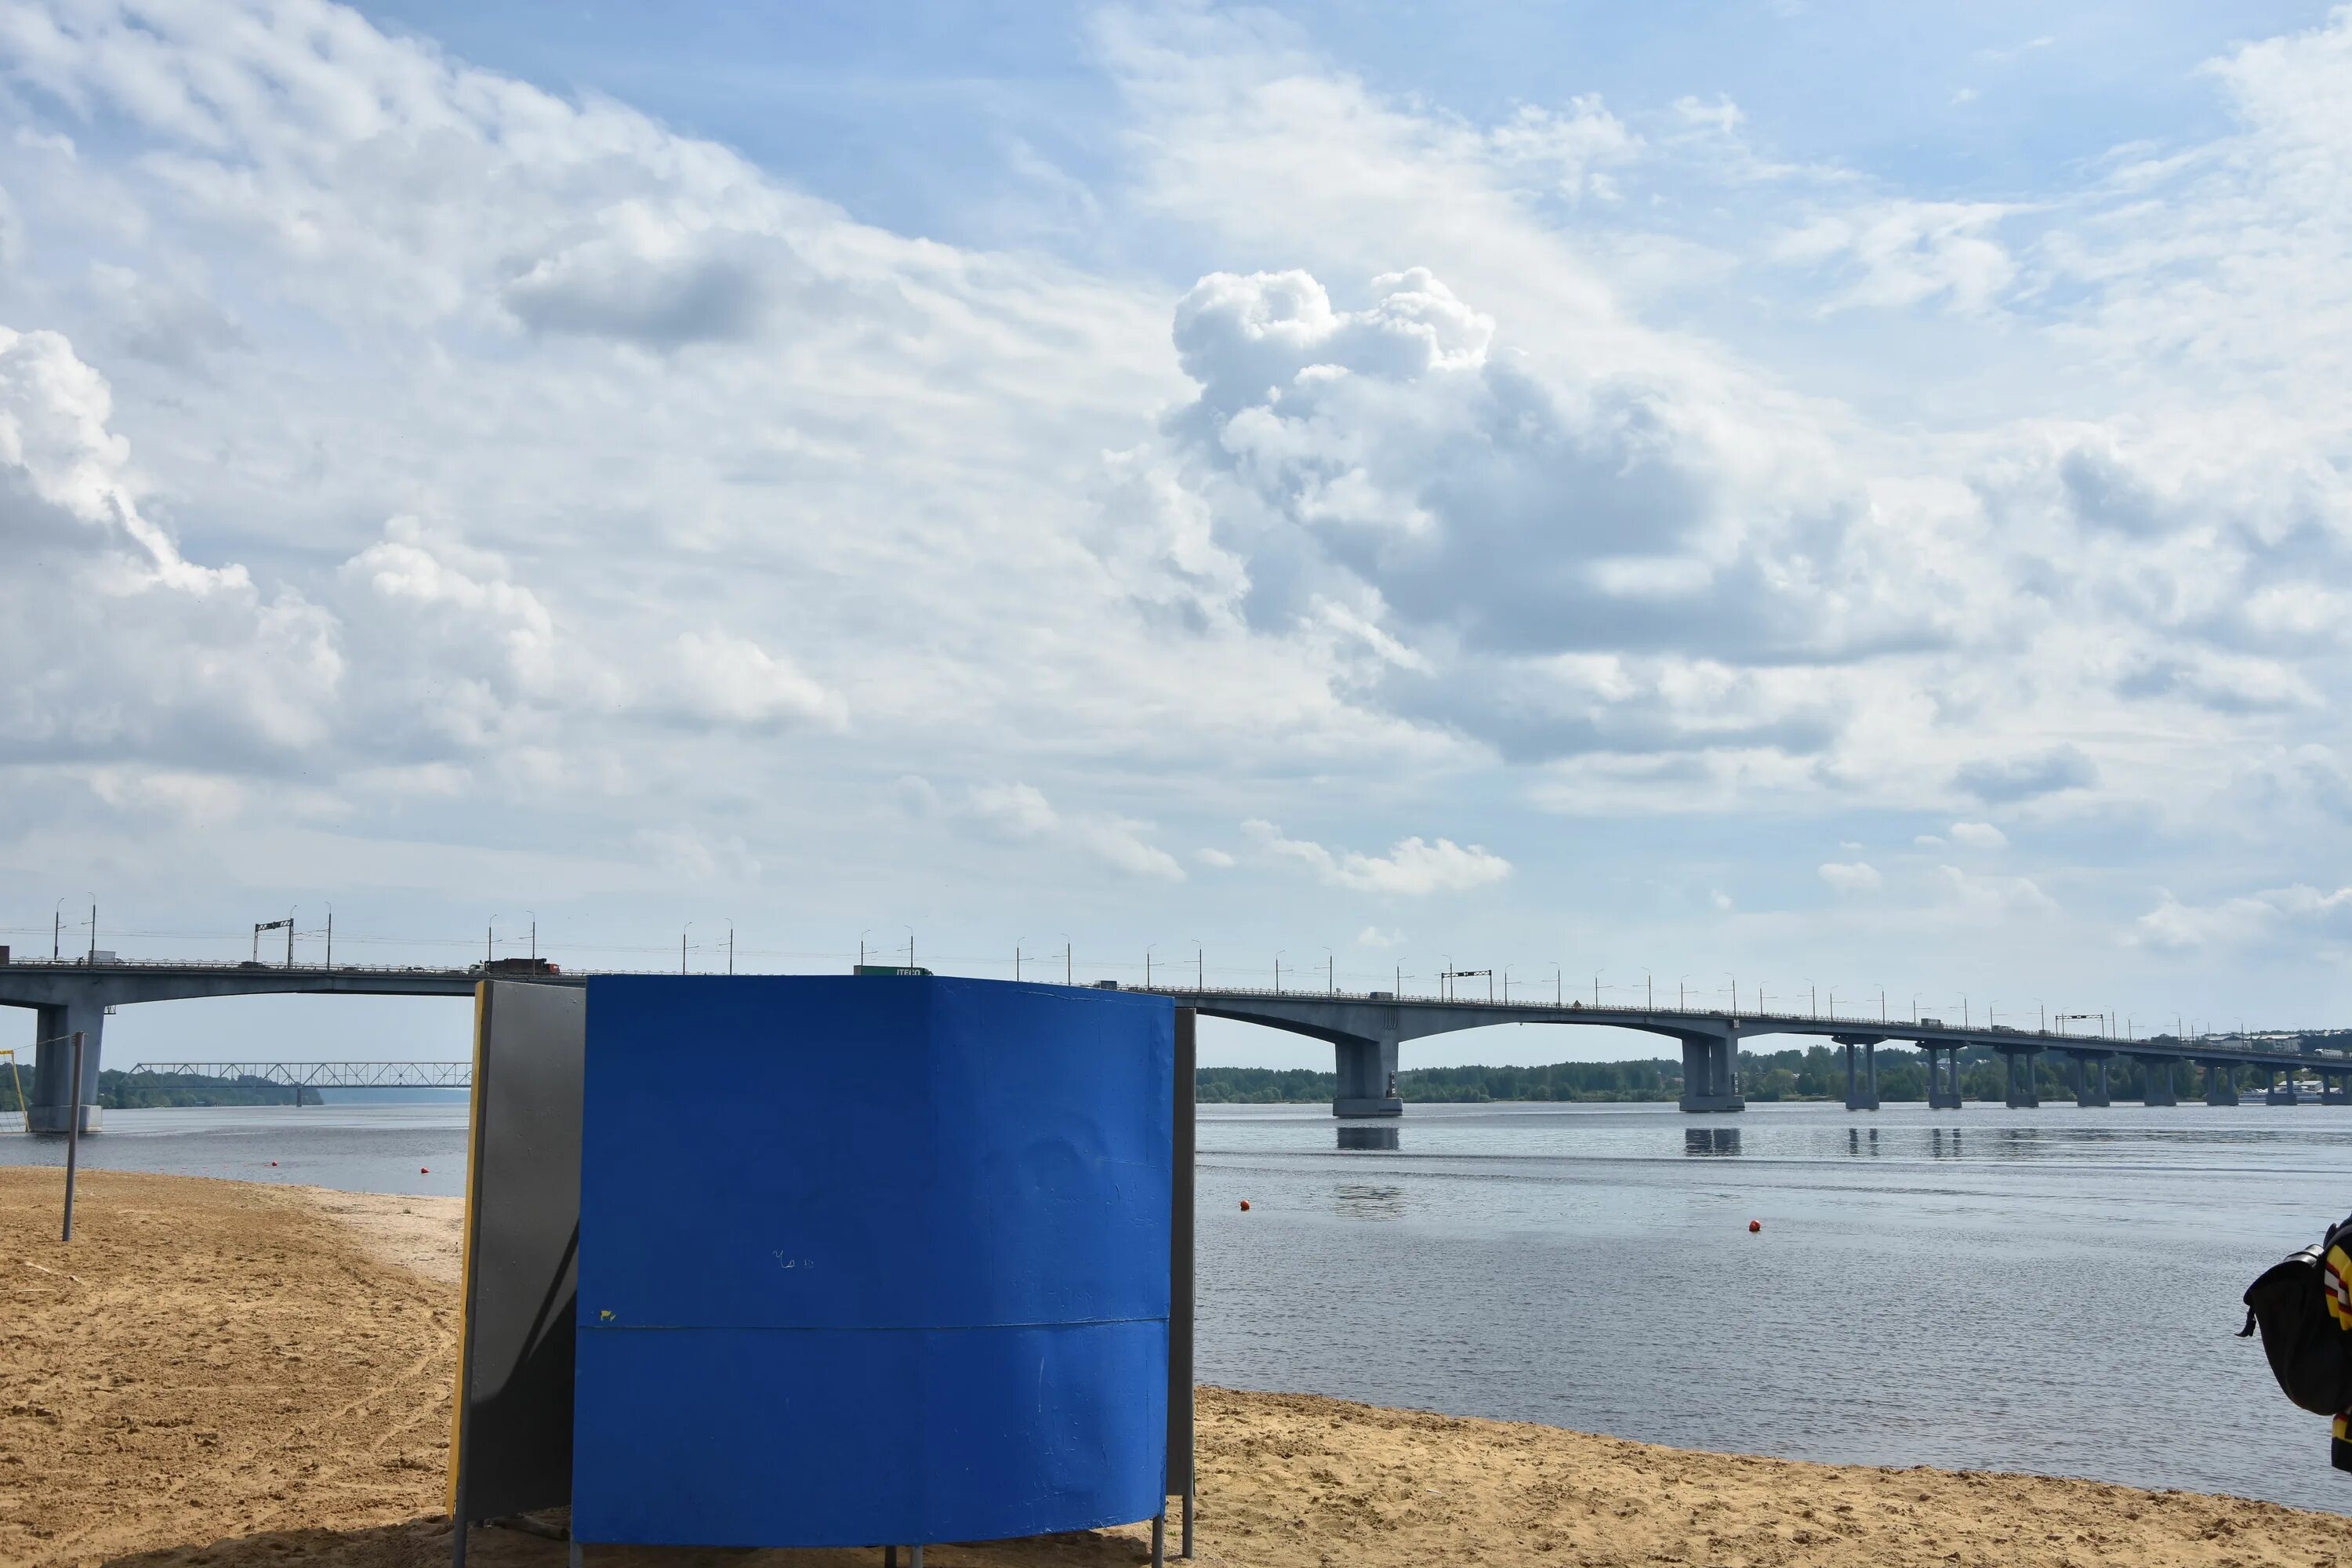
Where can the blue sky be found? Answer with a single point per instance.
(1842, 497)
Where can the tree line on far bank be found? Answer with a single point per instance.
(1801, 1073)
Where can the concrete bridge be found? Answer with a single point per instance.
(1367, 1029)
(75, 996)
(1364, 1029)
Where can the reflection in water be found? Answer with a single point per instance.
(1380, 1138)
(1358, 1200)
(1941, 1149)
(1711, 1140)
(1855, 1144)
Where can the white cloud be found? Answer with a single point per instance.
(1898, 254)
(1412, 869)
(1851, 876)
(1218, 858)
(1021, 812)
(1978, 835)
(1373, 936)
(2246, 920)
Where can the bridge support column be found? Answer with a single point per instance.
(2155, 1081)
(2090, 1075)
(2279, 1087)
(1943, 1077)
(54, 1093)
(1368, 1082)
(2332, 1091)
(1862, 1086)
(2018, 1080)
(2221, 1082)
(1860, 1072)
(1711, 1073)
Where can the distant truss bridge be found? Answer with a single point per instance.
(321, 1075)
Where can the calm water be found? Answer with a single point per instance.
(2051, 1291)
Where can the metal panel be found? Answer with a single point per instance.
(886, 1260)
(513, 1442)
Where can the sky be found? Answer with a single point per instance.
(1822, 501)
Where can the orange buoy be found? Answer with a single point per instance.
(1754, 1225)
(1246, 1206)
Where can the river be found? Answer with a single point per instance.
(2054, 1290)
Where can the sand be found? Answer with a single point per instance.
(222, 1375)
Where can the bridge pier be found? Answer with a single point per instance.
(2090, 1088)
(1711, 1073)
(1368, 1079)
(2155, 1081)
(2278, 1086)
(1943, 1077)
(2221, 1082)
(2333, 1090)
(1862, 1091)
(2017, 1079)
(53, 1092)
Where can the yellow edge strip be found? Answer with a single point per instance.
(465, 1277)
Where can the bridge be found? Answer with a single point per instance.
(74, 996)
(1364, 1029)
(300, 1076)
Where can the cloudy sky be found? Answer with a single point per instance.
(1834, 496)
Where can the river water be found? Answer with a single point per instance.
(2052, 1291)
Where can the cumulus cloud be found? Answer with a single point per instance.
(1851, 876)
(124, 649)
(1978, 835)
(1414, 867)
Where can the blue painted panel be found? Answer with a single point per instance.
(836, 1437)
(906, 1237)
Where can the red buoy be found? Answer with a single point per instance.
(1246, 1206)
(423, 1171)
(1754, 1225)
(273, 1165)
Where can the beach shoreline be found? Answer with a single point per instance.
(226, 1373)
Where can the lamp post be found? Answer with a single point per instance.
(730, 942)
(689, 926)
(1147, 963)
(290, 934)
(1200, 966)
(1331, 973)
(1278, 969)
(533, 915)
(1069, 962)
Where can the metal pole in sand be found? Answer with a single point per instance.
(73, 1133)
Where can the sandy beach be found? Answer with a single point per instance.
(227, 1374)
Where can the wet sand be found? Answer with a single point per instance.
(228, 1374)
